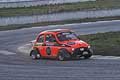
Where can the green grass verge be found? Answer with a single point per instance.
(90, 5)
(107, 44)
(43, 24)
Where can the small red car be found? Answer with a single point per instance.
(61, 44)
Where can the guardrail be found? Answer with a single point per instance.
(58, 16)
(13, 4)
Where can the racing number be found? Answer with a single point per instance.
(48, 51)
(50, 41)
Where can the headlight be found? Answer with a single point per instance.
(81, 49)
(73, 49)
(88, 46)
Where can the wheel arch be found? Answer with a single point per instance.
(64, 52)
(33, 50)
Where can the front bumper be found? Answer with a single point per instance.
(82, 51)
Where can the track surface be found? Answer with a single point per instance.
(18, 66)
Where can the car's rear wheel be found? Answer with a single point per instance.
(35, 55)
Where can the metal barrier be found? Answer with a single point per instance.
(58, 16)
(28, 3)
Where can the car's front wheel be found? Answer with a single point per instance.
(87, 55)
(63, 55)
(35, 55)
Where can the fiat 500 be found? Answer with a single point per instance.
(59, 44)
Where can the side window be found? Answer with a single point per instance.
(50, 38)
(41, 39)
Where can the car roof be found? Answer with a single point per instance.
(55, 30)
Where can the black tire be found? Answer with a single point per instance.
(63, 55)
(35, 55)
(87, 56)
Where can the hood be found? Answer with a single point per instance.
(76, 44)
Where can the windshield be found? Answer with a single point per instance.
(63, 36)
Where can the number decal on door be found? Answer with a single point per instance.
(48, 51)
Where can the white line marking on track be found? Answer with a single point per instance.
(25, 48)
(104, 57)
(4, 52)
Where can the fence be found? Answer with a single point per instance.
(58, 16)
(28, 3)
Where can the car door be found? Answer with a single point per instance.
(41, 45)
(51, 48)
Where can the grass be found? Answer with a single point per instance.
(106, 44)
(47, 9)
(19, 26)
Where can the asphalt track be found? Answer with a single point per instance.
(15, 65)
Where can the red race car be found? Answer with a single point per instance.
(60, 44)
